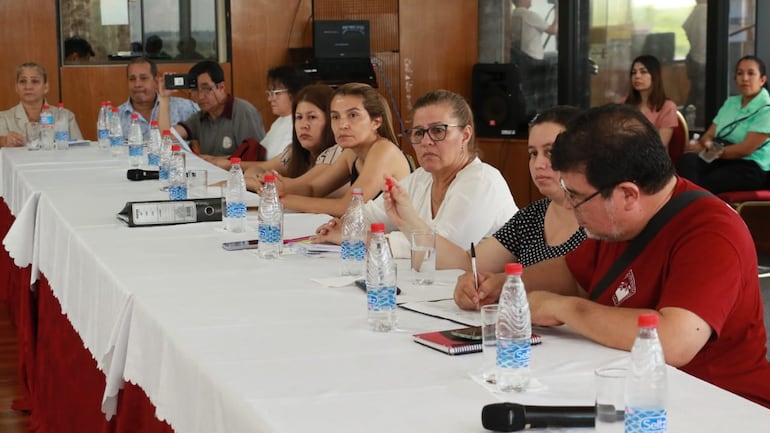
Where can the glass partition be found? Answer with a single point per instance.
(99, 31)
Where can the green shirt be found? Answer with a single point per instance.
(757, 114)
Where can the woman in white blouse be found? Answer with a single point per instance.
(460, 197)
(32, 88)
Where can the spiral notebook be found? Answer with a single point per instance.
(457, 341)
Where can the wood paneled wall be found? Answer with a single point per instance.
(28, 31)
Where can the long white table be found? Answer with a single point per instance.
(227, 342)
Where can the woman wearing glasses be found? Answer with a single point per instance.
(742, 125)
(543, 230)
(453, 192)
(360, 119)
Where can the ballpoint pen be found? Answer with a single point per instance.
(473, 267)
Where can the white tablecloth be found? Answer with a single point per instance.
(227, 342)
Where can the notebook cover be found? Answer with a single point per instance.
(454, 342)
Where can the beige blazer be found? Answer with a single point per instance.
(15, 120)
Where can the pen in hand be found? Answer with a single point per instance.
(473, 269)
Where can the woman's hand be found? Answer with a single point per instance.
(331, 232)
(399, 207)
(13, 139)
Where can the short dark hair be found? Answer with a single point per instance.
(558, 114)
(292, 77)
(142, 59)
(611, 144)
(208, 67)
(76, 44)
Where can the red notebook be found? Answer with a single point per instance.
(457, 341)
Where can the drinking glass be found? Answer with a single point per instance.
(33, 136)
(423, 254)
(489, 342)
(610, 384)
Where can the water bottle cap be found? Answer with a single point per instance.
(166, 132)
(134, 116)
(378, 227)
(114, 109)
(513, 268)
(46, 107)
(109, 102)
(60, 105)
(154, 123)
(176, 148)
(235, 160)
(649, 320)
(103, 103)
(269, 178)
(358, 191)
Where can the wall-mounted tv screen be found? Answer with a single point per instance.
(341, 39)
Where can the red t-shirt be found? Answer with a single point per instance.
(703, 260)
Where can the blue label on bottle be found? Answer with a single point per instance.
(153, 160)
(116, 141)
(177, 192)
(513, 353)
(269, 233)
(353, 250)
(382, 299)
(135, 150)
(639, 420)
(103, 134)
(163, 172)
(235, 210)
(62, 136)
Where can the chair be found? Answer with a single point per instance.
(742, 199)
(679, 138)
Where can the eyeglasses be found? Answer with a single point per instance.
(203, 91)
(435, 132)
(274, 93)
(571, 197)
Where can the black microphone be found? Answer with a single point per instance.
(138, 174)
(514, 417)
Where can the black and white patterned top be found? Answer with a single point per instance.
(524, 236)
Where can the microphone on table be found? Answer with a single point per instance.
(508, 417)
(138, 174)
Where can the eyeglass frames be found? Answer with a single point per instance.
(436, 132)
(571, 197)
(274, 93)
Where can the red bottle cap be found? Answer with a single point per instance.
(235, 160)
(378, 227)
(513, 269)
(134, 116)
(46, 107)
(154, 123)
(389, 183)
(269, 178)
(166, 132)
(648, 320)
(114, 109)
(176, 148)
(60, 105)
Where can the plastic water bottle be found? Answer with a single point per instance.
(270, 220)
(46, 128)
(380, 282)
(61, 129)
(177, 179)
(135, 142)
(514, 333)
(153, 149)
(353, 251)
(102, 128)
(646, 381)
(116, 133)
(235, 199)
(165, 155)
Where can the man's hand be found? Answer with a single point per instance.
(543, 307)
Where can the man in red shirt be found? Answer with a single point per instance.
(699, 273)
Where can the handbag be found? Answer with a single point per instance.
(250, 150)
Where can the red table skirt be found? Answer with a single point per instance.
(62, 387)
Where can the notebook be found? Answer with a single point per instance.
(458, 341)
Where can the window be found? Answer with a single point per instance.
(180, 30)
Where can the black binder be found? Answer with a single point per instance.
(171, 212)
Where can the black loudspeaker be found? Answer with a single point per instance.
(498, 106)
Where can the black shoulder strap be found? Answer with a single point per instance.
(637, 245)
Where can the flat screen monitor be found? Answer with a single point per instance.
(337, 39)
